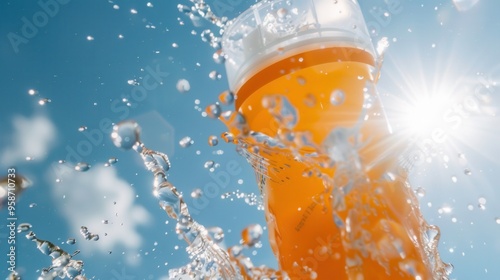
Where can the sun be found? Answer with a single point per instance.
(440, 106)
(423, 116)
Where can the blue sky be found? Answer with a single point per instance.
(86, 56)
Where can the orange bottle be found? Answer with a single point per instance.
(337, 205)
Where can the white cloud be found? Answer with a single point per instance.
(31, 138)
(89, 198)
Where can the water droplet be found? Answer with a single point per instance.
(337, 97)
(196, 193)
(23, 227)
(112, 160)
(497, 220)
(467, 171)
(235, 251)
(228, 137)
(216, 233)
(213, 140)
(82, 128)
(32, 91)
(183, 86)
(219, 57)
(29, 158)
(84, 231)
(214, 75)
(282, 110)
(226, 97)
(454, 179)
(105, 222)
(482, 200)
(462, 159)
(82, 166)
(44, 101)
(281, 13)
(445, 209)
(126, 134)
(209, 164)
(133, 11)
(310, 100)
(149, 5)
(30, 236)
(251, 234)
(186, 142)
(470, 207)
(420, 192)
(70, 241)
(431, 235)
(482, 203)
(301, 80)
(213, 111)
(32, 205)
(90, 38)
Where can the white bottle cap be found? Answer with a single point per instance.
(270, 29)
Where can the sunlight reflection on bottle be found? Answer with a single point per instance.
(63, 265)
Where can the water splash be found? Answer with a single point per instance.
(350, 179)
(82, 167)
(282, 110)
(183, 86)
(14, 276)
(341, 149)
(208, 259)
(251, 238)
(84, 231)
(23, 227)
(226, 97)
(382, 46)
(250, 199)
(203, 10)
(63, 265)
(213, 140)
(186, 142)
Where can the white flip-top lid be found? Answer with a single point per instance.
(270, 29)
